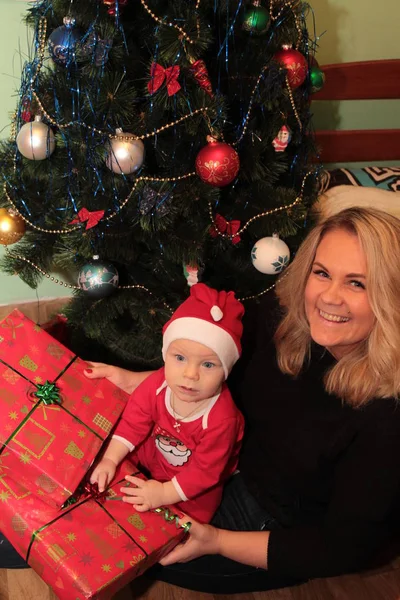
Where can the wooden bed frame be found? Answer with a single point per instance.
(369, 80)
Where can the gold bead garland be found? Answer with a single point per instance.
(291, 6)
(260, 215)
(268, 289)
(115, 136)
(47, 275)
(109, 217)
(296, 114)
(183, 33)
(76, 287)
(246, 121)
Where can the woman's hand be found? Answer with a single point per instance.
(128, 381)
(203, 539)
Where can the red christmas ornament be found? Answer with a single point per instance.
(217, 163)
(295, 63)
(200, 73)
(113, 6)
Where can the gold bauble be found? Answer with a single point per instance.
(12, 227)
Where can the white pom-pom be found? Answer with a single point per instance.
(216, 313)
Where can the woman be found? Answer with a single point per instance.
(318, 382)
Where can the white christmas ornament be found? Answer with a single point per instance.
(36, 140)
(270, 255)
(125, 153)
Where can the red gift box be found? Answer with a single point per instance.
(92, 548)
(53, 419)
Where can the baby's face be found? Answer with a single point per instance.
(193, 371)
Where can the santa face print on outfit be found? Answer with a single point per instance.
(173, 450)
(194, 374)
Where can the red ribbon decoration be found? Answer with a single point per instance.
(221, 225)
(92, 218)
(200, 73)
(158, 75)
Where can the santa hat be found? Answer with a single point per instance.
(211, 318)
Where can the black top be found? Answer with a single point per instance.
(329, 473)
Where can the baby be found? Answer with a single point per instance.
(181, 422)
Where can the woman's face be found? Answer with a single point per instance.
(336, 300)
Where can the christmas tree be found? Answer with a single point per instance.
(157, 143)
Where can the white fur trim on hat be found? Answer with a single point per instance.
(203, 332)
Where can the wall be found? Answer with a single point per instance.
(354, 31)
(14, 48)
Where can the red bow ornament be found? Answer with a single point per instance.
(221, 225)
(92, 218)
(158, 75)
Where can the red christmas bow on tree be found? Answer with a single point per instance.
(92, 218)
(221, 225)
(158, 75)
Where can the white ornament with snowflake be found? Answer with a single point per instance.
(270, 255)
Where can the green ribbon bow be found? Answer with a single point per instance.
(48, 393)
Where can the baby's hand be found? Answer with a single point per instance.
(144, 495)
(103, 473)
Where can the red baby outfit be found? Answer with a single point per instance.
(199, 459)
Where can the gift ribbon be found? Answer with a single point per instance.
(91, 217)
(221, 225)
(99, 498)
(158, 75)
(48, 394)
(9, 324)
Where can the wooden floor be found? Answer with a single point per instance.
(381, 584)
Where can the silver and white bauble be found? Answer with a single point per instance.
(36, 140)
(125, 154)
(270, 255)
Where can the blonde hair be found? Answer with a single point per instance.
(372, 369)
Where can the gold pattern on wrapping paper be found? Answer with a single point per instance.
(102, 423)
(11, 377)
(45, 408)
(8, 397)
(34, 349)
(51, 437)
(82, 433)
(143, 538)
(38, 379)
(46, 483)
(13, 492)
(19, 525)
(4, 496)
(56, 553)
(106, 568)
(114, 530)
(13, 415)
(73, 450)
(86, 400)
(109, 581)
(74, 383)
(70, 537)
(137, 521)
(136, 559)
(25, 458)
(3, 467)
(28, 363)
(55, 350)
